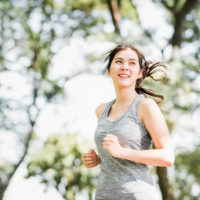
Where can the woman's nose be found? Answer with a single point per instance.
(124, 66)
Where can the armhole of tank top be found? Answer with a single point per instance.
(138, 120)
(136, 108)
(105, 110)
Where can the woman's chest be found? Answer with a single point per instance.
(129, 133)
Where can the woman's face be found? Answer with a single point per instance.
(125, 68)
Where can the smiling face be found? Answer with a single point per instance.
(125, 68)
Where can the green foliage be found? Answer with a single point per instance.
(59, 164)
(192, 25)
(86, 5)
(32, 32)
(128, 10)
(187, 175)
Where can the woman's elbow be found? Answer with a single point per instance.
(169, 161)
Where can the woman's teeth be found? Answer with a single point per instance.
(124, 76)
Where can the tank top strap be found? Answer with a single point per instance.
(135, 106)
(105, 112)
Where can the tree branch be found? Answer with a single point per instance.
(179, 21)
(76, 74)
(115, 14)
(165, 187)
(170, 8)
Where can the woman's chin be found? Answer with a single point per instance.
(125, 85)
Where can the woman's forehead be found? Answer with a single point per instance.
(127, 54)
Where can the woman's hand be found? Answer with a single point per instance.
(90, 159)
(111, 144)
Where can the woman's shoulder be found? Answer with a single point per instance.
(147, 103)
(147, 107)
(100, 108)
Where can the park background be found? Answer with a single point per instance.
(52, 78)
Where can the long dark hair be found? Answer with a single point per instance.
(148, 69)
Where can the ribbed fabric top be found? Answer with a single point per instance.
(122, 179)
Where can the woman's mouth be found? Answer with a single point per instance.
(123, 75)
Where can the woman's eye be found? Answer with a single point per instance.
(132, 63)
(119, 61)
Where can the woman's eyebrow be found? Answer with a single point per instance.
(122, 58)
(118, 58)
(132, 59)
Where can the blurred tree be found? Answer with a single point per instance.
(26, 50)
(187, 175)
(180, 10)
(33, 31)
(184, 19)
(59, 164)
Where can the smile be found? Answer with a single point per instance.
(124, 75)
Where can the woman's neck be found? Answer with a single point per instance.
(125, 96)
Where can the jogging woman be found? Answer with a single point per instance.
(127, 128)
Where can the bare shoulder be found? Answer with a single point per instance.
(148, 107)
(100, 108)
(147, 103)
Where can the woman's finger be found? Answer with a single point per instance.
(105, 146)
(108, 148)
(87, 156)
(90, 152)
(110, 135)
(90, 162)
(87, 164)
(88, 159)
(90, 165)
(107, 140)
(107, 143)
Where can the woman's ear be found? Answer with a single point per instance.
(108, 72)
(140, 75)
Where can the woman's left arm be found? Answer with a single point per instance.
(155, 123)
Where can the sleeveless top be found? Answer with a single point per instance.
(122, 179)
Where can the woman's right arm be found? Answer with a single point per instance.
(91, 159)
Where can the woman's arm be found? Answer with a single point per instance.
(154, 122)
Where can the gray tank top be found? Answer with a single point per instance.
(121, 179)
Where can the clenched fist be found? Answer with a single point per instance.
(112, 145)
(90, 159)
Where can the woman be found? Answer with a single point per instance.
(127, 127)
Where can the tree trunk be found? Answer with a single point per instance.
(115, 14)
(16, 166)
(2, 191)
(165, 187)
(179, 16)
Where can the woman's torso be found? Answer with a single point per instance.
(120, 178)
